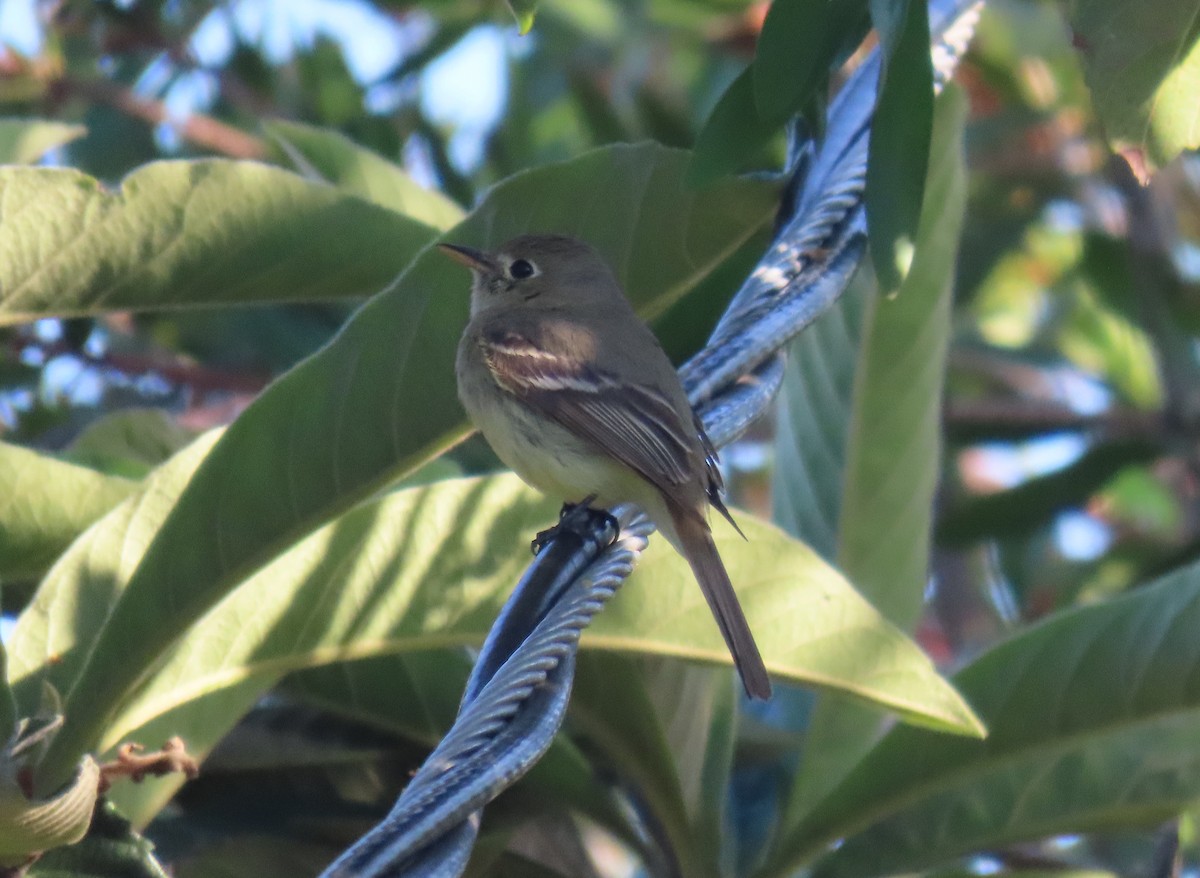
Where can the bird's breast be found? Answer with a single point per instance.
(542, 453)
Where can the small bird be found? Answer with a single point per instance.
(575, 394)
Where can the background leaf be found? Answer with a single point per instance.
(523, 11)
(1142, 64)
(189, 233)
(321, 154)
(44, 504)
(24, 141)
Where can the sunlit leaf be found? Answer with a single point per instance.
(189, 233)
(321, 154)
(24, 141)
(54, 633)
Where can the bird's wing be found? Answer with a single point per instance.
(634, 423)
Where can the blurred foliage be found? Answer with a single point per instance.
(217, 215)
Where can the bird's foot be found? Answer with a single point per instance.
(583, 521)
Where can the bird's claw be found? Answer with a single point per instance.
(583, 521)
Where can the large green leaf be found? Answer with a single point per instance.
(894, 454)
(1093, 718)
(429, 567)
(330, 156)
(1142, 63)
(44, 504)
(380, 399)
(24, 141)
(189, 233)
(813, 420)
(892, 450)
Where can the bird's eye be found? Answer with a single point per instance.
(521, 269)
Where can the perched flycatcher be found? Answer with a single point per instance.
(575, 393)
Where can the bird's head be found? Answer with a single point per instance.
(539, 271)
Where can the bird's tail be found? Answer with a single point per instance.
(695, 542)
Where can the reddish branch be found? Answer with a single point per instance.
(195, 128)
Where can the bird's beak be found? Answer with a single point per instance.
(476, 260)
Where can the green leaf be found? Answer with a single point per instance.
(45, 503)
(733, 134)
(189, 233)
(1142, 64)
(129, 442)
(1093, 717)
(8, 704)
(698, 708)
(672, 744)
(788, 58)
(329, 156)
(635, 743)
(24, 141)
(814, 417)
(811, 625)
(413, 695)
(893, 452)
(427, 568)
(380, 399)
(900, 137)
(523, 11)
(111, 848)
(796, 47)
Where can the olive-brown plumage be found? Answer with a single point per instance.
(574, 392)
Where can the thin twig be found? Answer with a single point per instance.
(195, 128)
